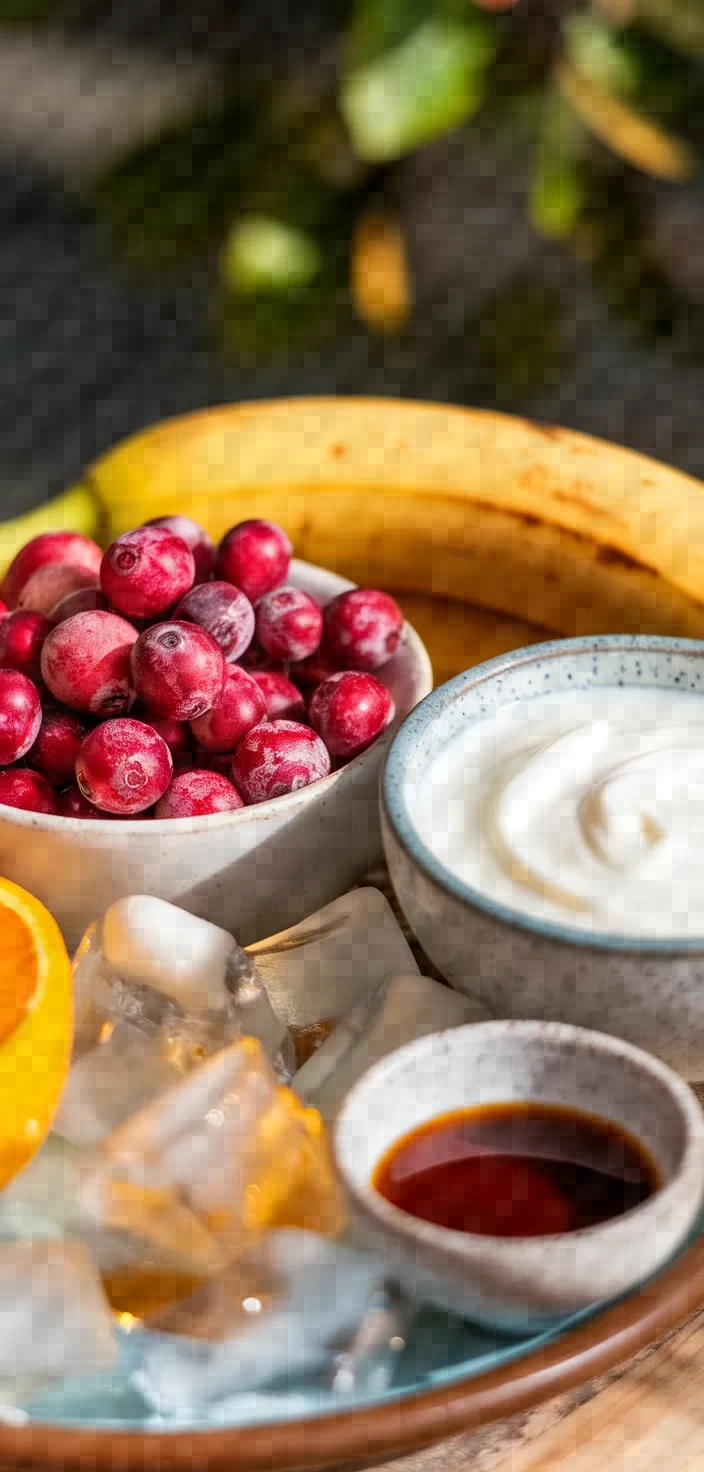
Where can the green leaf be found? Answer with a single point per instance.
(264, 254)
(603, 55)
(557, 189)
(427, 84)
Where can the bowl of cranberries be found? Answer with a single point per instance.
(201, 723)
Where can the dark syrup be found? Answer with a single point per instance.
(517, 1170)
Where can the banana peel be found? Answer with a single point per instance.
(75, 510)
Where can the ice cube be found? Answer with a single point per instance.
(404, 1007)
(156, 991)
(42, 1200)
(54, 1318)
(110, 1082)
(316, 972)
(149, 941)
(287, 1315)
(189, 1181)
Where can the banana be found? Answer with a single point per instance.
(74, 510)
(547, 529)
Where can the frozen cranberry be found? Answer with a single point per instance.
(195, 793)
(52, 582)
(176, 734)
(56, 747)
(362, 628)
(123, 767)
(278, 757)
(86, 600)
(283, 700)
(196, 538)
(239, 706)
(349, 710)
(72, 804)
(22, 638)
(178, 670)
(289, 624)
(23, 789)
(86, 663)
(145, 572)
(225, 613)
(255, 556)
(70, 547)
(20, 715)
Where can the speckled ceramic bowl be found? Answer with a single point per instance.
(649, 992)
(254, 871)
(523, 1283)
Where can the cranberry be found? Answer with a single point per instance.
(123, 767)
(86, 663)
(278, 757)
(255, 556)
(176, 734)
(239, 706)
(72, 804)
(3, 608)
(225, 613)
(283, 700)
(289, 624)
(145, 572)
(178, 670)
(70, 547)
(22, 789)
(349, 710)
(196, 538)
(52, 582)
(195, 793)
(85, 600)
(22, 638)
(56, 747)
(362, 628)
(20, 715)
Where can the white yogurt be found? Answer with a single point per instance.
(584, 807)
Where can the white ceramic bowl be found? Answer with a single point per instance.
(648, 991)
(254, 871)
(524, 1283)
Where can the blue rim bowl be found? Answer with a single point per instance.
(635, 659)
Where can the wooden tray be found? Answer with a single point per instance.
(320, 459)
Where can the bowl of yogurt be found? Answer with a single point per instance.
(543, 820)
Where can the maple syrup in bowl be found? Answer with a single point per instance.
(519, 1171)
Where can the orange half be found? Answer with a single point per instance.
(36, 1024)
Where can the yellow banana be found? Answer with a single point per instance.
(541, 525)
(75, 510)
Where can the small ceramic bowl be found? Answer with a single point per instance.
(254, 871)
(524, 1283)
(648, 991)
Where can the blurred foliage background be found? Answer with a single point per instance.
(290, 182)
(357, 187)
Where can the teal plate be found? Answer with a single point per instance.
(441, 1352)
